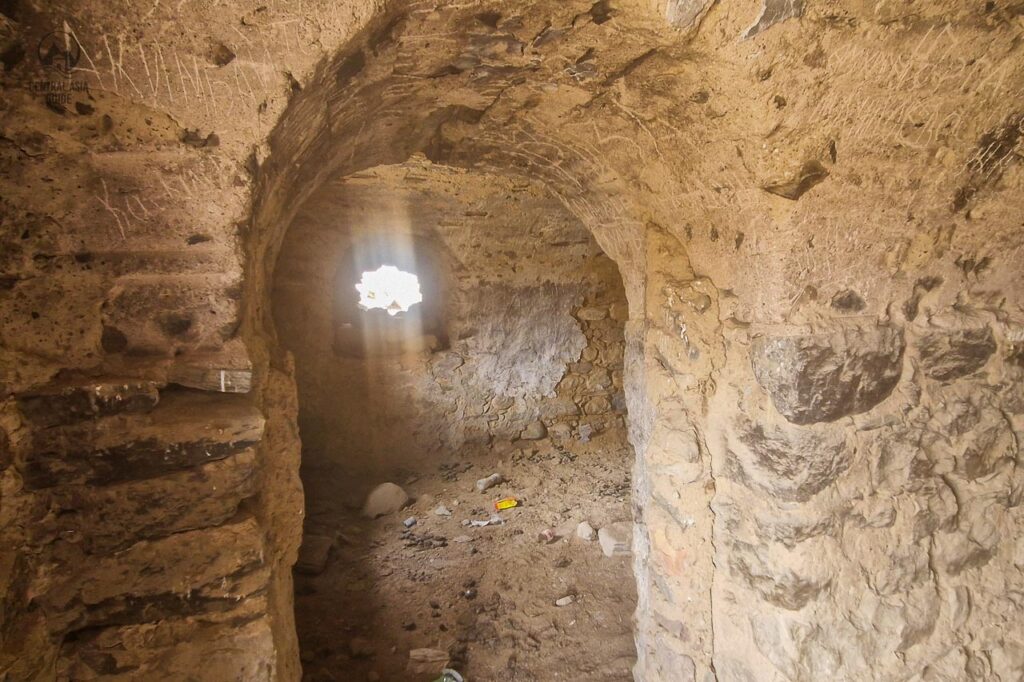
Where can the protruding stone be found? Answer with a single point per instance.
(183, 431)
(239, 648)
(112, 517)
(201, 571)
(535, 431)
(773, 12)
(822, 377)
(63, 404)
(951, 355)
(788, 462)
(386, 498)
(226, 371)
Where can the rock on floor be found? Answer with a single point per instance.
(584, 531)
(386, 498)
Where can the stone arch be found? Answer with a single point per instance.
(462, 108)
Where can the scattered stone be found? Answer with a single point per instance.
(427, 660)
(424, 541)
(535, 431)
(409, 522)
(386, 498)
(560, 431)
(584, 531)
(313, 554)
(442, 510)
(489, 482)
(461, 539)
(565, 601)
(616, 539)
(585, 432)
(409, 626)
(495, 520)
(548, 536)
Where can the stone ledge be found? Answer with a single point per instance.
(109, 518)
(240, 648)
(207, 571)
(186, 429)
(78, 400)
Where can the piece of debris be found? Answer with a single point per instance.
(441, 510)
(565, 601)
(495, 520)
(427, 660)
(584, 531)
(616, 539)
(461, 539)
(489, 482)
(506, 503)
(409, 522)
(548, 535)
(313, 554)
(386, 498)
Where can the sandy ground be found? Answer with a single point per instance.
(485, 595)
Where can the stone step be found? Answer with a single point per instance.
(75, 400)
(228, 370)
(186, 429)
(103, 519)
(208, 571)
(238, 648)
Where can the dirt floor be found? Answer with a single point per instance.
(487, 595)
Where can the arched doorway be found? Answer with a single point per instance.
(511, 366)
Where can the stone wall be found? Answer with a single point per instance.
(816, 210)
(532, 318)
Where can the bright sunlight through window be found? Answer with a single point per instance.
(390, 289)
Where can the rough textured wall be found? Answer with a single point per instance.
(150, 507)
(815, 205)
(533, 315)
